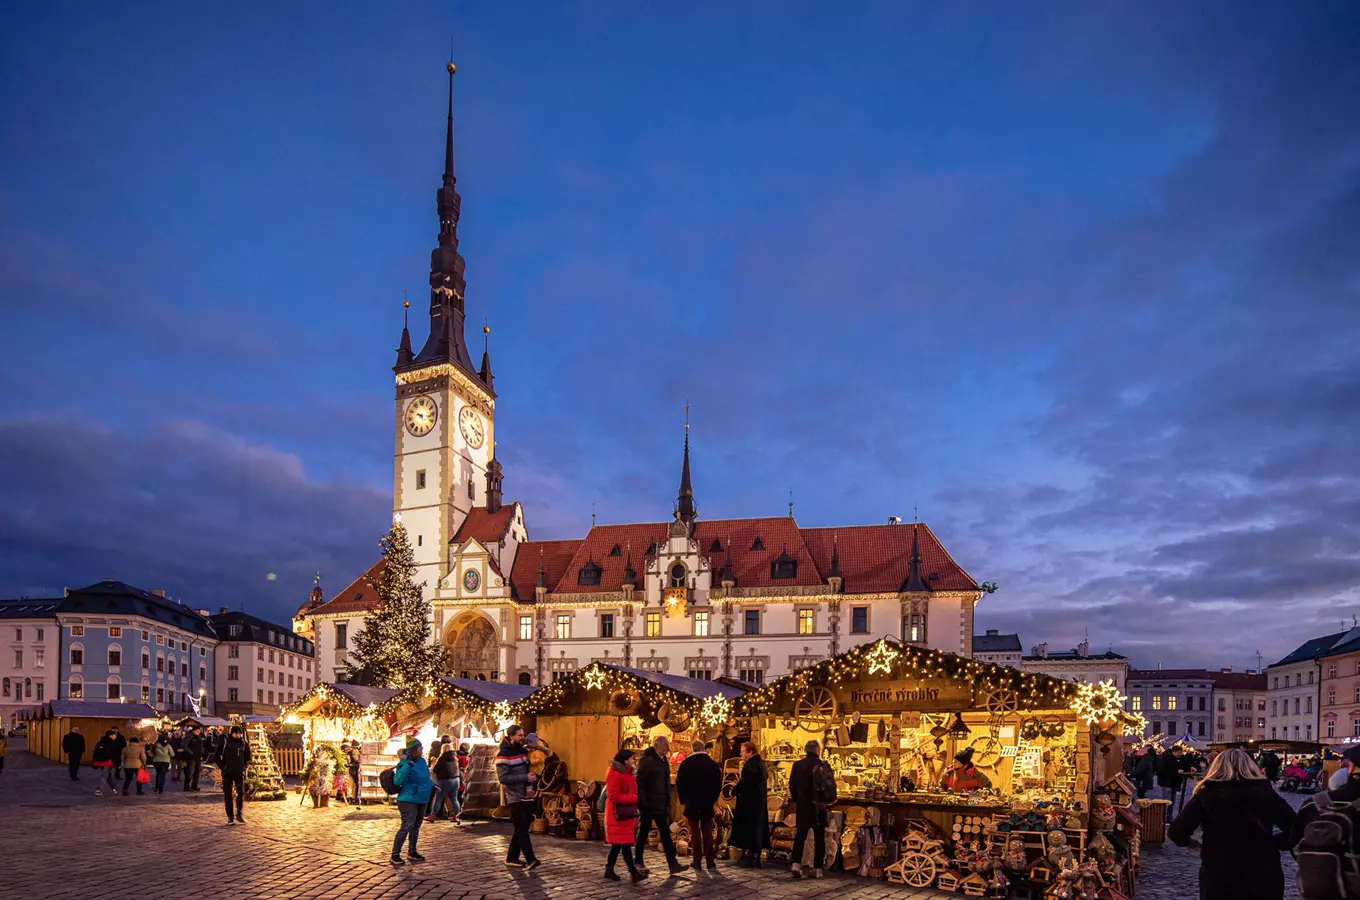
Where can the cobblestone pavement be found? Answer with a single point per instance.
(61, 841)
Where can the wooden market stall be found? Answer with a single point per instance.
(332, 714)
(50, 722)
(893, 718)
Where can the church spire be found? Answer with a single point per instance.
(404, 354)
(684, 503)
(914, 580)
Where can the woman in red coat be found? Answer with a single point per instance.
(621, 814)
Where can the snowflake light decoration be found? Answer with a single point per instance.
(1134, 723)
(1099, 702)
(716, 710)
(594, 679)
(881, 659)
(502, 714)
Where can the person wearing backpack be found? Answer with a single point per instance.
(232, 761)
(1322, 851)
(1237, 812)
(812, 788)
(412, 777)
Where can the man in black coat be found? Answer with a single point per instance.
(809, 809)
(119, 743)
(1144, 770)
(233, 758)
(73, 745)
(698, 784)
(193, 763)
(1169, 768)
(654, 803)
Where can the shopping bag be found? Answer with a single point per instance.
(143, 776)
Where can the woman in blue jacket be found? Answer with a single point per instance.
(412, 777)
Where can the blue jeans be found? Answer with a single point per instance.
(161, 769)
(448, 787)
(412, 814)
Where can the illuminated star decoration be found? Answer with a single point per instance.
(881, 659)
(716, 710)
(594, 679)
(1100, 702)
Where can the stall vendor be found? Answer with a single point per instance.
(963, 777)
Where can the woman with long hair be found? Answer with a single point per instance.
(751, 816)
(1238, 813)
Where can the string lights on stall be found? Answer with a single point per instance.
(602, 677)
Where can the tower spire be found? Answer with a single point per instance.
(404, 355)
(684, 503)
(914, 580)
(487, 377)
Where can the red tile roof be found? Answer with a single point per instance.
(876, 558)
(1239, 681)
(360, 596)
(598, 543)
(751, 568)
(556, 556)
(485, 527)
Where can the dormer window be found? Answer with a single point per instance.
(615, 551)
(651, 549)
(677, 576)
(757, 544)
(589, 574)
(784, 566)
(715, 547)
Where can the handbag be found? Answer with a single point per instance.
(625, 811)
(143, 776)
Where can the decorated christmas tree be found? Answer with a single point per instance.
(394, 649)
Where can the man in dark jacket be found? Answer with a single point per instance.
(654, 803)
(809, 808)
(1144, 770)
(1270, 765)
(193, 762)
(119, 744)
(232, 760)
(517, 792)
(698, 784)
(73, 745)
(1169, 768)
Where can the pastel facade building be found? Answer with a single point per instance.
(259, 665)
(29, 655)
(1175, 702)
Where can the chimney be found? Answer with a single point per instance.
(158, 592)
(1041, 650)
(993, 632)
(1084, 648)
(1226, 670)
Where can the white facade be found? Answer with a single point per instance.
(1293, 701)
(1174, 701)
(30, 658)
(260, 666)
(1078, 665)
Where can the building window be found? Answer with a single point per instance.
(751, 624)
(1171, 703)
(160, 640)
(1308, 702)
(184, 668)
(1276, 684)
(1310, 676)
(234, 651)
(1137, 703)
(39, 658)
(420, 540)
(1331, 698)
(39, 698)
(76, 689)
(784, 566)
(1201, 703)
(607, 625)
(1156, 701)
(701, 624)
(859, 620)
(115, 656)
(341, 635)
(77, 631)
(1221, 718)
(420, 479)
(752, 676)
(1171, 726)
(259, 676)
(807, 621)
(271, 657)
(526, 628)
(652, 624)
(77, 655)
(654, 664)
(1296, 706)
(589, 574)
(702, 674)
(1286, 681)
(1331, 671)
(146, 691)
(914, 628)
(233, 673)
(202, 673)
(1275, 708)
(271, 697)
(563, 626)
(233, 694)
(677, 576)
(18, 659)
(4, 688)
(1222, 704)
(1157, 727)
(1201, 729)
(18, 634)
(259, 695)
(115, 632)
(40, 634)
(114, 687)
(472, 490)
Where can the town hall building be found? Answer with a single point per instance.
(740, 598)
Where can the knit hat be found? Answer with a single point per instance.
(965, 755)
(413, 743)
(623, 756)
(1352, 756)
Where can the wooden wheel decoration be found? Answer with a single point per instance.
(815, 708)
(625, 702)
(918, 870)
(986, 752)
(1002, 701)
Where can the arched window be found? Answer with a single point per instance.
(677, 576)
(76, 688)
(115, 654)
(4, 690)
(115, 687)
(160, 661)
(28, 688)
(525, 678)
(77, 654)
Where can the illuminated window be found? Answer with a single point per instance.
(563, 626)
(1156, 701)
(806, 621)
(701, 624)
(1171, 701)
(652, 627)
(526, 628)
(1137, 703)
(76, 690)
(77, 630)
(115, 632)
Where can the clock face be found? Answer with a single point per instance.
(471, 425)
(471, 580)
(421, 414)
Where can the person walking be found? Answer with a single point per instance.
(134, 760)
(1169, 777)
(621, 815)
(751, 817)
(120, 744)
(102, 759)
(517, 792)
(73, 745)
(4, 747)
(233, 758)
(181, 755)
(162, 754)
(653, 778)
(1270, 765)
(447, 778)
(193, 761)
(1144, 770)
(698, 785)
(1237, 810)
(413, 779)
(808, 780)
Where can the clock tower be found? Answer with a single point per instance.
(445, 409)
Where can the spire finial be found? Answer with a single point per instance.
(318, 577)
(448, 137)
(592, 513)
(406, 309)
(790, 503)
(404, 354)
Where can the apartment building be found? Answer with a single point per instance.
(29, 660)
(1239, 706)
(1175, 702)
(260, 665)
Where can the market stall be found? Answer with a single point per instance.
(333, 715)
(954, 773)
(589, 715)
(50, 722)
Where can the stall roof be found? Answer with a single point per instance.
(92, 709)
(490, 691)
(363, 694)
(698, 688)
(359, 695)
